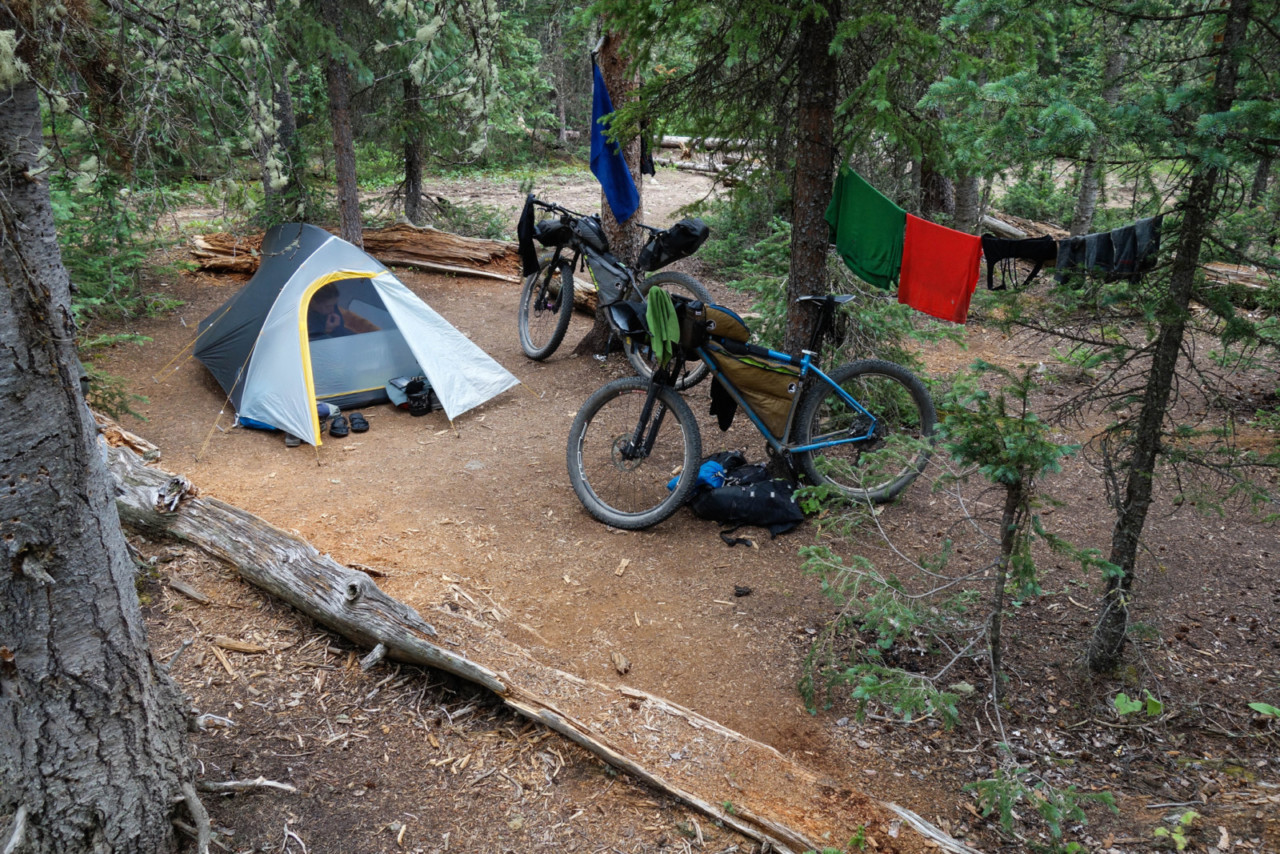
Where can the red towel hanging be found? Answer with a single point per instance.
(939, 269)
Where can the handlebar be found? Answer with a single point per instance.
(552, 207)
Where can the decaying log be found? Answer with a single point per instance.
(710, 143)
(1002, 228)
(741, 783)
(402, 245)
(585, 296)
(116, 436)
(724, 176)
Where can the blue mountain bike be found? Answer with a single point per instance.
(865, 428)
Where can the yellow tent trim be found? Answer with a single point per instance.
(305, 338)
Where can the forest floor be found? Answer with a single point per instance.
(400, 759)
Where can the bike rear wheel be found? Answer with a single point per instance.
(640, 356)
(879, 468)
(617, 486)
(546, 304)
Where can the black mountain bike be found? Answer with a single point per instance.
(575, 241)
(635, 447)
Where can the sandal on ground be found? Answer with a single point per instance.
(338, 427)
(291, 441)
(358, 423)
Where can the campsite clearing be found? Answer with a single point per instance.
(478, 516)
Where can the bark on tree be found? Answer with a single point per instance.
(814, 172)
(337, 75)
(1010, 520)
(1091, 169)
(937, 192)
(93, 753)
(412, 151)
(1258, 192)
(1107, 644)
(968, 203)
(625, 239)
(287, 203)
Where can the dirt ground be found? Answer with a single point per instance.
(401, 759)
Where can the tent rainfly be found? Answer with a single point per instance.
(258, 347)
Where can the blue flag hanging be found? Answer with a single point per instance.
(607, 162)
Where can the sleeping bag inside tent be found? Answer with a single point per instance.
(321, 320)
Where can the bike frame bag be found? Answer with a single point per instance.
(608, 274)
(591, 233)
(724, 323)
(770, 388)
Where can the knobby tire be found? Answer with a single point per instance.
(879, 469)
(632, 493)
(544, 314)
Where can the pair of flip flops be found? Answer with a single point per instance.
(342, 425)
(338, 427)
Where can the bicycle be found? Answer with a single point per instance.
(546, 300)
(635, 448)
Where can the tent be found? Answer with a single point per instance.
(258, 348)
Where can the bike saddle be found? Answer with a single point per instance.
(838, 299)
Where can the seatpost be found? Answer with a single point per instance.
(824, 319)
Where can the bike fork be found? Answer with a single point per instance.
(646, 432)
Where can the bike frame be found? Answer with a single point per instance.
(583, 256)
(807, 370)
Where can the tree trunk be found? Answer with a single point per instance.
(968, 203)
(625, 239)
(412, 151)
(1091, 169)
(1107, 645)
(814, 172)
(1013, 500)
(287, 202)
(937, 193)
(338, 80)
(1257, 193)
(93, 752)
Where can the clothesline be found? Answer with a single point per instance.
(936, 268)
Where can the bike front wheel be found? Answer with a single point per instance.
(630, 474)
(546, 304)
(898, 423)
(640, 356)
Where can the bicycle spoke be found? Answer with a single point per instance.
(623, 466)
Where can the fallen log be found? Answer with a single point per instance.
(401, 244)
(1000, 227)
(708, 143)
(748, 786)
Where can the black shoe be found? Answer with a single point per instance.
(338, 428)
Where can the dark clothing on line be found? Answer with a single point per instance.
(998, 249)
(1135, 246)
(1126, 251)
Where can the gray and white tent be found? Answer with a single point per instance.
(257, 347)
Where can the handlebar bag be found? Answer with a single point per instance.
(552, 232)
(679, 241)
